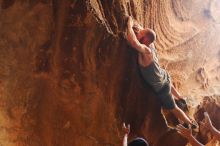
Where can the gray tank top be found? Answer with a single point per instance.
(153, 74)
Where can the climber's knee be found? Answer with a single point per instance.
(167, 102)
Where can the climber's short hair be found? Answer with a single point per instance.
(138, 142)
(150, 35)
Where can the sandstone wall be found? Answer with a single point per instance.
(68, 77)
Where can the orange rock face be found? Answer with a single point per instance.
(68, 76)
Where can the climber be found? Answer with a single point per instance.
(142, 40)
(206, 124)
(135, 142)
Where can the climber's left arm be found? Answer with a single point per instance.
(133, 41)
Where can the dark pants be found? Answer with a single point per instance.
(165, 96)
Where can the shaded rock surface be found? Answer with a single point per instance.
(68, 77)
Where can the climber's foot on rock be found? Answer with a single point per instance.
(194, 126)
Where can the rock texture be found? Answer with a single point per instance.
(68, 77)
(211, 105)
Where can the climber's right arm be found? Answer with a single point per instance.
(132, 39)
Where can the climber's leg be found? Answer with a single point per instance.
(181, 115)
(167, 102)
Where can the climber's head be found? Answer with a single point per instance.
(138, 142)
(146, 36)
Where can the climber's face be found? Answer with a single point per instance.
(144, 40)
(142, 37)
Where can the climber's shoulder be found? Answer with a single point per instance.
(152, 46)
